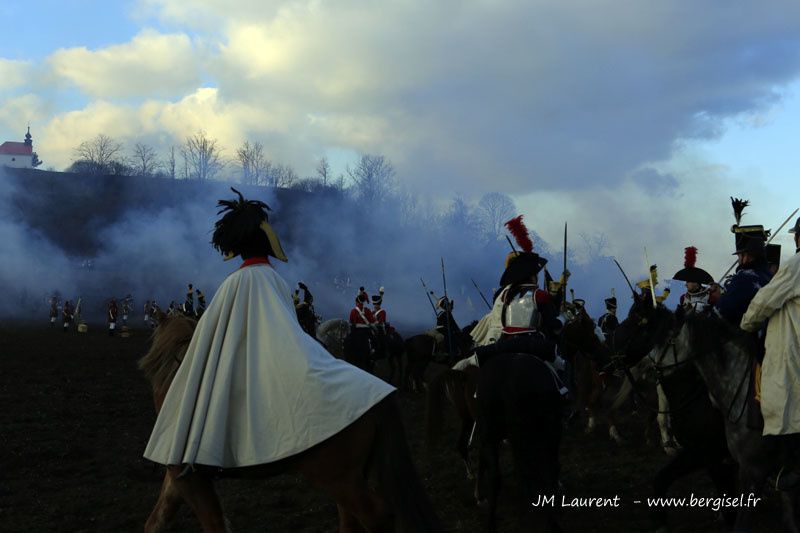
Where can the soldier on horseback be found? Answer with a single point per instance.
(752, 272)
(358, 345)
(698, 281)
(608, 322)
(447, 327)
(777, 302)
(305, 309)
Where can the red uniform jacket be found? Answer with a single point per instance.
(356, 317)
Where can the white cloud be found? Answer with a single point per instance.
(152, 64)
(13, 74)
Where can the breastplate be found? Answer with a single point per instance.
(522, 312)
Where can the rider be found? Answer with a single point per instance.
(645, 287)
(252, 387)
(447, 327)
(359, 342)
(778, 302)
(697, 283)
(305, 309)
(609, 322)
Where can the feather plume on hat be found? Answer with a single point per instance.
(690, 257)
(738, 208)
(517, 228)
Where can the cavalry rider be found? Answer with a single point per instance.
(359, 342)
(201, 303)
(447, 327)
(608, 322)
(752, 272)
(778, 302)
(382, 326)
(305, 309)
(698, 282)
(652, 281)
(67, 314)
(253, 388)
(53, 310)
(523, 318)
(112, 315)
(188, 305)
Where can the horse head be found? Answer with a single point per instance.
(169, 343)
(644, 328)
(580, 335)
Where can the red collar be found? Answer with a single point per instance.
(255, 261)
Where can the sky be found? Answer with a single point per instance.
(633, 121)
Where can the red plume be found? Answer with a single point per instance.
(690, 257)
(520, 233)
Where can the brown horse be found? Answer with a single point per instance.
(459, 388)
(580, 347)
(422, 349)
(372, 447)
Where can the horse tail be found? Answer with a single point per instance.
(169, 343)
(397, 476)
(437, 390)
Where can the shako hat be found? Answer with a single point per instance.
(689, 272)
(748, 239)
(362, 295)
(244, 230)
(377, 299)
(611, 303)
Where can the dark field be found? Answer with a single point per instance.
(75, 415)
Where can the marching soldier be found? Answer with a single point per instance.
(752, 272)
(778, 302)
(127, 306)
(698, 282)
(53, 310)
(608, 322)
(112, 314)
(68, 314)
(305, 309)
(359, 342)
(188, 305)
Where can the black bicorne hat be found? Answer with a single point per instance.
(521, 268)
(244, 229)
(690, 273)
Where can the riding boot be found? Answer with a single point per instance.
(789, 475)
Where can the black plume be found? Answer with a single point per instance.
(738, 208)
(239, 225)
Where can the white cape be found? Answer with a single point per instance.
(254, 387)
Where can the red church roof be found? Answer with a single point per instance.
(15, 148)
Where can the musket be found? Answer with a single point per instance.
(481, 293)
(650, 277)
(427, 293)
(768, 241)
(448, 311)
(564, 286)
(624, 275)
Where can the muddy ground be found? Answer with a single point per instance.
(75, 415)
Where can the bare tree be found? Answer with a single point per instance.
(281, 176)
(324, 170)
(145, 161)
(203, 156)
(252, 162)
(171, 164)
(373, 178)
(495, 209)
(99, 154)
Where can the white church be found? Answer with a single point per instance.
(19, 154)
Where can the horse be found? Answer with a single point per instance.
(422, 349)
(649, 334)
(332, 334)
(581, 344)
(391, 348)
(373, 446)
(459, 388)
(518, 399)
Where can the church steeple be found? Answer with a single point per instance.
(28, 138)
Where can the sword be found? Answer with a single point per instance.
(624, 275)
(768, 241)
(564, 287)
(481, 293)
(427, 293)
(650, 276)
(448, 311)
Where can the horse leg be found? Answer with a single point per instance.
(198, 491)
(682, 464)
(168, 503)
(723, 475)
(462, 444)
(667, 441)
(490, 467)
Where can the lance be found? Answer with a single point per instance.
(447, 310)
(624, 275)
(650, 277)
(481, 293)
(768, 241)
(428, 294)
(511, 244)
(564, 287)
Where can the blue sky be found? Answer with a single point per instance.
(638, 126)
